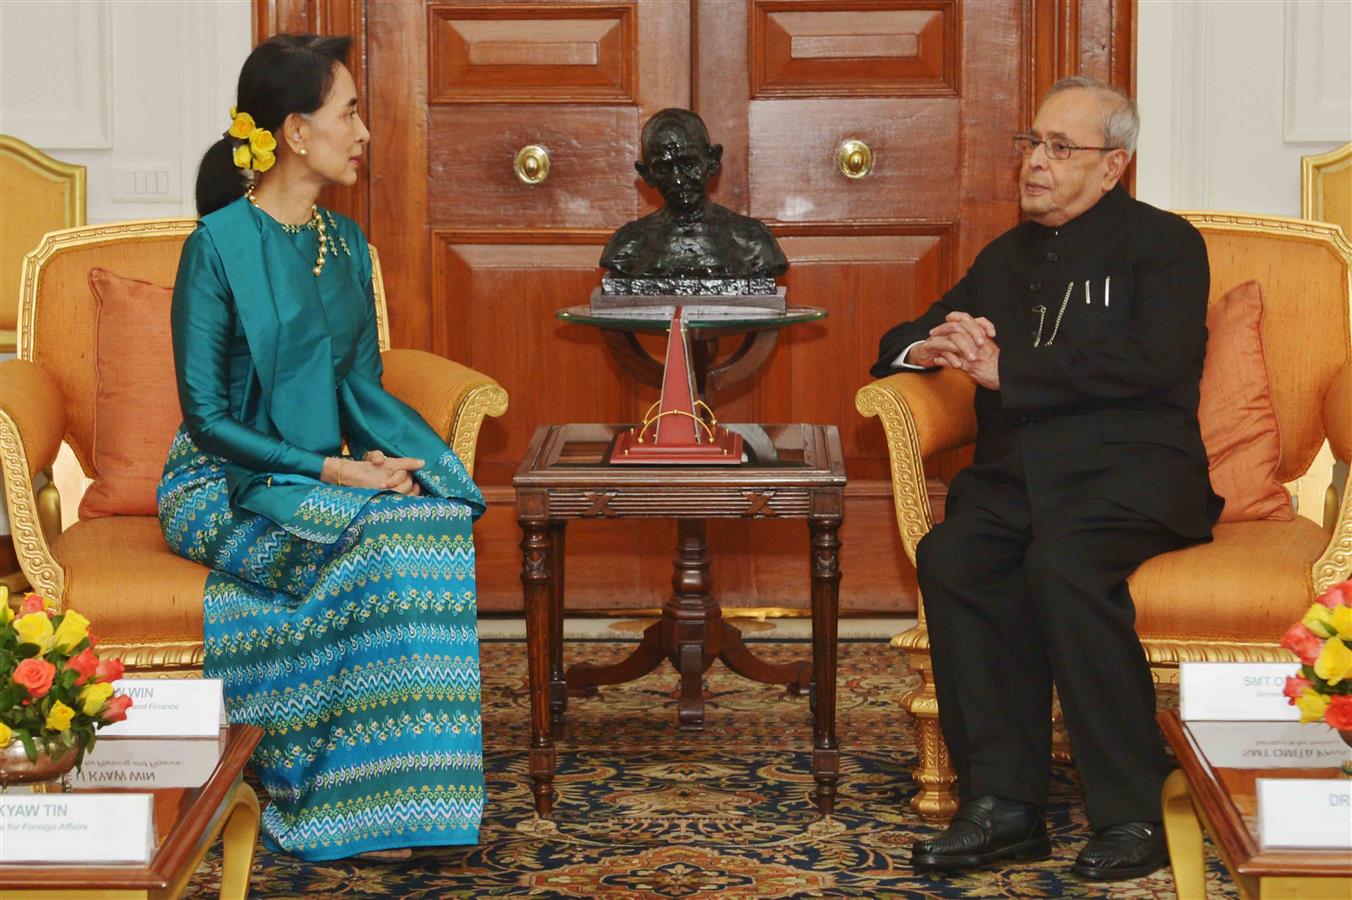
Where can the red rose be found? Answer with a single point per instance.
(115, 710)
(33, 603)
(86, 664)
(1303, 642)
(112, 669)
(1339, 712)
(36, 675)
(1338, 595)
(1295, 686)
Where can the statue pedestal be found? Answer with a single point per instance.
(679, 429)
(706, 299)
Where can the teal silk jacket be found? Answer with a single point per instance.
(277, 368)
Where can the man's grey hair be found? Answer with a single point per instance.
(1121, 121)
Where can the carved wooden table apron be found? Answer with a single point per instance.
(794, 471)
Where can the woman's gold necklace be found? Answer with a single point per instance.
(316, 222)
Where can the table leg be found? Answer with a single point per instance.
(825, 543)
(1183, 834)
(558, 685)
(537, 583)
(692, 617)
(238, 839)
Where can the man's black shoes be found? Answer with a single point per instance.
(1127, 850)
(986, 830)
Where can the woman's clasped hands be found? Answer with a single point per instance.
(376, 471)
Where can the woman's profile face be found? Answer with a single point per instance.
(334, 135)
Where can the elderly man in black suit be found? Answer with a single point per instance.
(1084, 329)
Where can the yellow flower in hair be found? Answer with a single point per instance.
(263, 160)
(262, 141)
(241, 124)
(242, 156)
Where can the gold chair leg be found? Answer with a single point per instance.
(239, 837)
(937, 797)
(1183, 833)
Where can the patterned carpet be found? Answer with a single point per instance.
(645, 811)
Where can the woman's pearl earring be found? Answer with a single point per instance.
(303, 152)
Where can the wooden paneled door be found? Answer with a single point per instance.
(476, 260)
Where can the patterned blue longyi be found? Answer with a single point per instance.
(359, 659)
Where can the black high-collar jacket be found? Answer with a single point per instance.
(1101, 325)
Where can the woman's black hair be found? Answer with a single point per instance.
(287, 73)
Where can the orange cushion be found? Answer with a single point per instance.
(1239, 424)
(136, 408)
(1249, 584)
(122, 576)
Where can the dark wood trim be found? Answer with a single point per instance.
(328, 17)
(170, 857)
(1225, 824)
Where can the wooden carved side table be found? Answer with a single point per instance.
(793, 471)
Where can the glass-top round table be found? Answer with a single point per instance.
(759, 330)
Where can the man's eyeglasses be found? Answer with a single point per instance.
(1056, 147)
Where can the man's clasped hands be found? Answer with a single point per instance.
(965, 343)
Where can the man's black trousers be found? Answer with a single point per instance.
(1017, 599)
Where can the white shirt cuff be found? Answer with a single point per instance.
(901, 363)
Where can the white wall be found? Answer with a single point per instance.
(133, 89)
(1233, 93)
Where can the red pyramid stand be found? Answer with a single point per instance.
(683, 430)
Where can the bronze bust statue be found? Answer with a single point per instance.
(690, 237)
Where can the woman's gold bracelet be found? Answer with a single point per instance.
(338, 471)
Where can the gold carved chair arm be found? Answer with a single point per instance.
(452, 398)
(922, 414)
(1335, 564)
(32, 424)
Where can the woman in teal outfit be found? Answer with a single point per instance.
(340, 610)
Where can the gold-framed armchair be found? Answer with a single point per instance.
(145, 602)
(1228, 600)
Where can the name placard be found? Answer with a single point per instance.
(1269, 745)
(1235, 692)
(170, 707)
(1305, 813)
(135, 763)
(76, 828)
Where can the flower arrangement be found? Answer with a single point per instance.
(1323, 641)
(54, 692)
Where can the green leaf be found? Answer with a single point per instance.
(26, 651)
(30, 749)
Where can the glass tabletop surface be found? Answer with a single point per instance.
(768, 446)
(710, 318)
(173, 770)
(1240, 753)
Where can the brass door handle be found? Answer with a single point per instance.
(532, 164)
(854, 158)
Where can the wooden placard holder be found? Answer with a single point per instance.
(678, 429)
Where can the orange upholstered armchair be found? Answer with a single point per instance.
(145, 602)
(1233, 598)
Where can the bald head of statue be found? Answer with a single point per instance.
(690, 236)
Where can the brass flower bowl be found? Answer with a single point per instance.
(17, 768)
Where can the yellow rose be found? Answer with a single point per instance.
(262, 141)
(35, 628)
(6, 614)
(5, 734)
(73, 629)
(94, 696)
(241, 125)
(59, 718)
(263, 160)
(1341, 620)
(1318, 619)
(242, 156)
(1334, 662)
(1312, 705)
